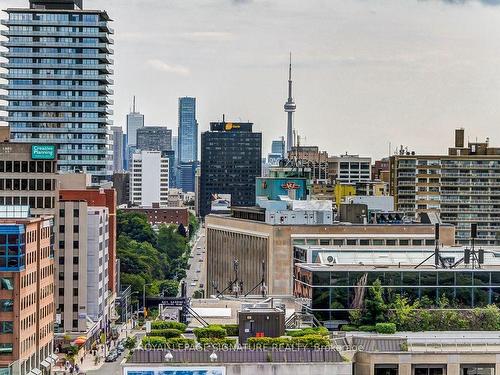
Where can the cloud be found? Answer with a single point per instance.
(461, 2)
(204, 36)
(167, 68)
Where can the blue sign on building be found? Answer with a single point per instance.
(272, 187)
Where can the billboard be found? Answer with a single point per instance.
(175, 371)
(220, 202)
(43, 152)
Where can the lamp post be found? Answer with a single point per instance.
(144, 300)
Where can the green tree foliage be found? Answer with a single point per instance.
(135, 226)
(193, 225)
(375, 308)
(150, 258)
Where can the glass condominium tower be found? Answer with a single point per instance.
(58, 82)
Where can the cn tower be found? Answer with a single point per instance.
(289, 109)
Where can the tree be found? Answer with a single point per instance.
(375, 308)
(135, 226)
(170, 242)
(182, 230)
(168, 288)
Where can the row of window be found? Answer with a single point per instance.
(33, 202)
(53, 17)
(364, 241)
(42, 50)
(9, 166)
(52, 82)
(61, 29)
(62, 94)
(51, 39)
(26, 184)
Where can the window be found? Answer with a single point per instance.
(7, 283)
(6, 327)
(6, 348)
(6, 305)
(478, 369)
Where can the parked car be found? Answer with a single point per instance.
(193, 284)
(120, 348)
(111, 357)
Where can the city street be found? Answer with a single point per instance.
(196, 274)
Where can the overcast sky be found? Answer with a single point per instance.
(366, 72)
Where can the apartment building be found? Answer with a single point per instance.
(26, 291)
(149, 179)
(463, 187)
(83, 238)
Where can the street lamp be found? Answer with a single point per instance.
(144, 300)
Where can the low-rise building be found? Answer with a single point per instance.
(253, 241)
(163, 215)
(26, 291)
(335, 279)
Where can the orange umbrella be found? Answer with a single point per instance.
(80, 340)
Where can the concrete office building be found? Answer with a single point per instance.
(350, 168)
(154, 138)
(230, 163)
(149, 179)
(79, 242)
(117, 134)
(26, 291)
(252, 241)
(58, 78)
(28, 176)
(463, 187)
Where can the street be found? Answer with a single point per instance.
(195, 275)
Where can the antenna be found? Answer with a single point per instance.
(133, 105)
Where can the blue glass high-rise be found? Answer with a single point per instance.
(187, 143)
(58, 79)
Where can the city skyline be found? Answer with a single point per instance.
(412, 66)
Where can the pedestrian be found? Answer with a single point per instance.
(81, 360)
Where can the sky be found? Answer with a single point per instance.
(369, 75)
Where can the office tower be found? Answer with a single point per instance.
(82, 238)
(188, 131)
(186, 176)
(27, 291)
(154, 138)
(170, 155)
(58, 82)
(135, 120)
(28, 176)
(149, 179)
(350, 168)
(230, 163)
(462, 187)
(278, 147)
(117, 148)
(187, 144)
(289, 109)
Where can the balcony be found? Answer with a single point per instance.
(101, 24)
(100, 56)
(57, 119)
(102, 46)
(53, 108)
(102, 88)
